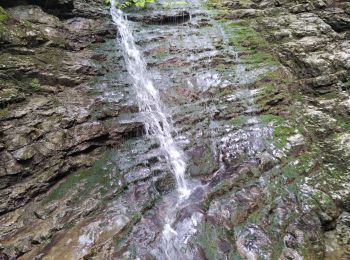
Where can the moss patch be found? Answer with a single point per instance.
(3, 19)
(221, 67)
(3, 15)
(240, 120)
(259, 57)
(35, 85)
(281, 128)
(210, 237)
(96, 178)
(4, 112)
(243, 36)
(347, 85)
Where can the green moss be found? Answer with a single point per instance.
(279, 75)
(3, 19)
(4, 112)
(297, 96)
(240, 120)
(181, 3)
(268, 118)
(205, 164)
(281, 133)
(285, 181)
(88, 180)
(225, 92)
(208, 238)
(130, 3)
(238, 24)
(343, 123)
(170, 4)
(323, 200)
(221, 67)
(306, 162)
(6, 93)
(281, 130)
(220, 189)
(210, 4)
(68, 225)
(268, 89)
(3, 15)
(259, 57)
(347, 85)
(255, 217)
(330, 95)
(245, 37)
(277, 249)
(27, 24)
(35, 85)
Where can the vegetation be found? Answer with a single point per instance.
(95, 178)
(347, 85)
(169, 4)
(4, 112)
(240, 120)
(3, 18)
(210, 236)
(3, 15)
(130, 3)
(245, 36)
(35, 85)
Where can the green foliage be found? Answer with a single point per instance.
(3, 18)
(130, 3)
(3, 15)
(35, 85)
(169, 4)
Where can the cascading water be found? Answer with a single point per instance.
(173, 241)
(156, 121)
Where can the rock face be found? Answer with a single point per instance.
(47, 119)
(258, 93)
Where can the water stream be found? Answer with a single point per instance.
(156, 121)
(157, 124)
(180, 215)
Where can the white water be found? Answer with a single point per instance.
(156, 121)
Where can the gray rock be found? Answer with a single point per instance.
(24, 153)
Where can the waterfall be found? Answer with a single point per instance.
(156, 121)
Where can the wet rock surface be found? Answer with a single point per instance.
(48, 123)
(257, 91)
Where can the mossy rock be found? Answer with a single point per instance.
(97, 178)
(202, 161)
(216, 242)
(3, 15)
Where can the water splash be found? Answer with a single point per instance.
(156, 121)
